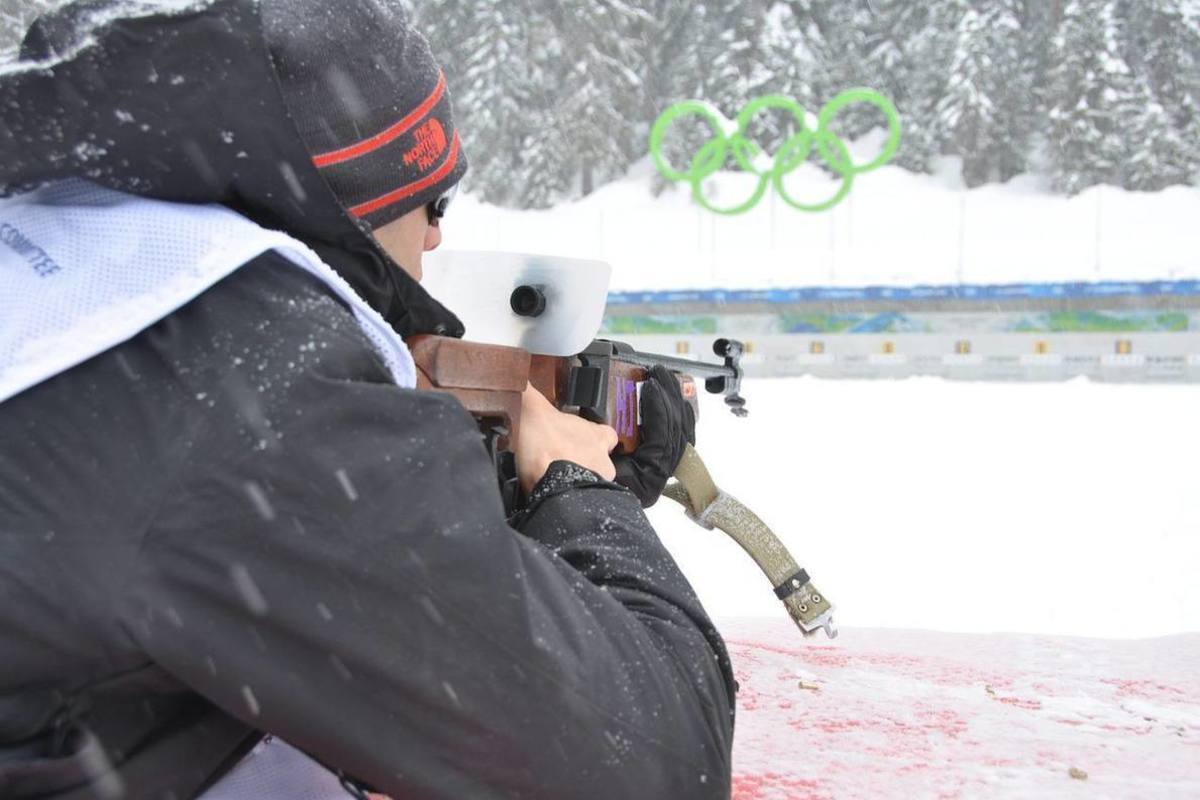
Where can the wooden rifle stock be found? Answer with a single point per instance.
(488, 380)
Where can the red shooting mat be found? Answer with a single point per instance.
(908, 714)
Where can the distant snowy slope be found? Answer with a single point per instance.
(895, 228)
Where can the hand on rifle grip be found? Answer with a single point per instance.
(668, 425)
(548, 435)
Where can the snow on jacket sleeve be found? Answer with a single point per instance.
(332, 565)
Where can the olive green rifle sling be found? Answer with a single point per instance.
(710, 507)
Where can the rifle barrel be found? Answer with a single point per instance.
(700, 369)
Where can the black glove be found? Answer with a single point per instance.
(668, 425)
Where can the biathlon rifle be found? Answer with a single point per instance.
(600, 383)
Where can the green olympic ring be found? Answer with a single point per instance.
(729, 139)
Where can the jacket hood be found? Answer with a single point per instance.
(181, 102)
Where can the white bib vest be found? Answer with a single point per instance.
(84, 268)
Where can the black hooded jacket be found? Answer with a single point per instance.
(236, 523)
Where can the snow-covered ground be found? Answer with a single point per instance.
(884, 713)
(894, 228)
(1066, 509)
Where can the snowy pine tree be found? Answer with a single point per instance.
(499, 60)
(671, 39)
(1091, 91)
(1158, 155)
(1190, 82)
(984, 110)
(837, 35)
(1163, 48)
(730, 52)
(600, 96)
(909, 51)
(788, 56)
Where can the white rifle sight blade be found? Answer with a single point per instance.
(478, 286)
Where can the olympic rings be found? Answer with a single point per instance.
(729, 140)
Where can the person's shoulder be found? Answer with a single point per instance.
(280, 318)
(270, 291)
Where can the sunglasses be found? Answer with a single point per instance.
(437, 209)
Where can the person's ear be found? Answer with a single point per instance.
(433, 237)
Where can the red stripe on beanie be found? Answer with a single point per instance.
(409, 189)
(390, 134)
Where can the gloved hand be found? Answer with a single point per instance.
(668, 425)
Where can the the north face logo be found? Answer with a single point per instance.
(431, 143)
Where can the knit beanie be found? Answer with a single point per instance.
(369, 101)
